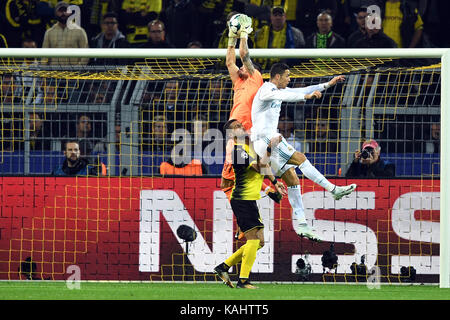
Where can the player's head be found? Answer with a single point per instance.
(234, 129)
(231, 14)
(370, 152)
(279, 75)
(156, 31)
(361, 15)
(72, 151)
(324, 22)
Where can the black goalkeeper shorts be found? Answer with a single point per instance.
(247, 214)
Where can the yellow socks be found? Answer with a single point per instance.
(248, 257)
(236, 257)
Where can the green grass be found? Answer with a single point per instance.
(46, 290)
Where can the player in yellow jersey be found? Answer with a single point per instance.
(249, 172)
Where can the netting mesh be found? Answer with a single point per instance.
(129, 118)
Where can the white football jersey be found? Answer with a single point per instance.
(266, 107)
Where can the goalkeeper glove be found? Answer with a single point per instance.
(246, 26)
(232, 37)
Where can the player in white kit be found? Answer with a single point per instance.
(284, 158)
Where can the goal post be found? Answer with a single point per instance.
(435, 53)
(444, 249)
(220, 53)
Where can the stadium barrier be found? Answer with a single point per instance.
(125, 229)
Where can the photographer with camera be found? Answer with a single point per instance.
(368, 164)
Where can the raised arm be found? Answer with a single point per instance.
(298, 94)
(231, 63)
(245, 56)
(230, 58)
(246, 29)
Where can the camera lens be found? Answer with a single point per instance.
(365, 154)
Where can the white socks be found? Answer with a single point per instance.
(295, 199)
(315, 176)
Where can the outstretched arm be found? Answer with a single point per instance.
(323, 86)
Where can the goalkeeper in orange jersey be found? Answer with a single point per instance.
(246, 82)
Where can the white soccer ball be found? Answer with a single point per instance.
(234, 24)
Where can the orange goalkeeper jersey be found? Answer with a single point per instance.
(244, 92)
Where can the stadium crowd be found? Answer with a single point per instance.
(194, 24)
(201, 23)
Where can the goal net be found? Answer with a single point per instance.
(134, 117)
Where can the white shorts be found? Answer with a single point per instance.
(279, 156)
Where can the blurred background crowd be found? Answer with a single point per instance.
(202, 23)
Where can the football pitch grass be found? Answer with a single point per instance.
(55, 290)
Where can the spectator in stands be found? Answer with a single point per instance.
(194, 45)
(29, 43)
(8, 89)
(179, 166)
(279, 34)
(84, 135)
(367, 163)
(170, 96)
(308, 10)
(134, 16)
(353, 7)
(434, 144)
(156, 36)
(374, 38)
(360, 17)
(110, 37)
(286, 129)
(102, 146)
(182, 22)
(15, 133)
(157, 139)
(96, 95)
(38, 139)
(403, 23)
(325, 37)
(93, 12)
(159, 131)
(19, 20)
(260, 11)
(74, 164)
(99, 93)
(47, 94)
(323, 139)
(171, 102)
(26, 78)
(65, 35)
